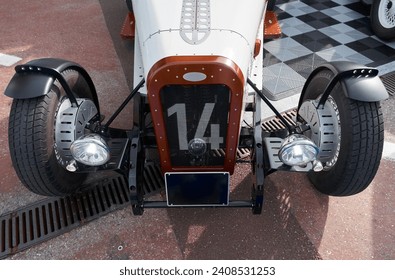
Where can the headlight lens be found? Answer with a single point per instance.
(298, 150)
(90, 150)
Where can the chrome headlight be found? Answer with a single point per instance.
(90, 150)
(298, 150)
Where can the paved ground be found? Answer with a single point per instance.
(297, 222)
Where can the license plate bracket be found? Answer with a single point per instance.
(197, 188)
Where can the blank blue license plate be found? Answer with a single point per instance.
(197, 188)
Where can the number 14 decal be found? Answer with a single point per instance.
(180, 110)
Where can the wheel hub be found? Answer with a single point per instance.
(387, 13)
(324, 130)
(70, 125)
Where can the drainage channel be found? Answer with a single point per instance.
(51, 217)
(389, 82)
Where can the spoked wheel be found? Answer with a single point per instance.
(38, 143)
(350, 135)
(382, 16)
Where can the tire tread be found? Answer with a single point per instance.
(31, 149)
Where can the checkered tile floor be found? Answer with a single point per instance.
(317, 31)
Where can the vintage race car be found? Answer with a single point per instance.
(197, 98)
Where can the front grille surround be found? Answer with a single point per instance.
(197, 71)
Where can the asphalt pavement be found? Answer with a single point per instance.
(297, 222)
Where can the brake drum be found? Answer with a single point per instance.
(70, 125)
(325, 130)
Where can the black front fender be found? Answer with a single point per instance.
(36, 77)
(358, 82)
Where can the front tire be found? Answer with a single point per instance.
(361, 141)
(382, 17)
(32, 140)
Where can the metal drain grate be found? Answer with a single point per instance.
(51, 217)
(242, 153)
(46, 219)
(389, 82)
(153, 179)
(275, 123)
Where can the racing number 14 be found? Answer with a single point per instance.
(180, 110)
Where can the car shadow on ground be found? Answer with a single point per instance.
(275, 234)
